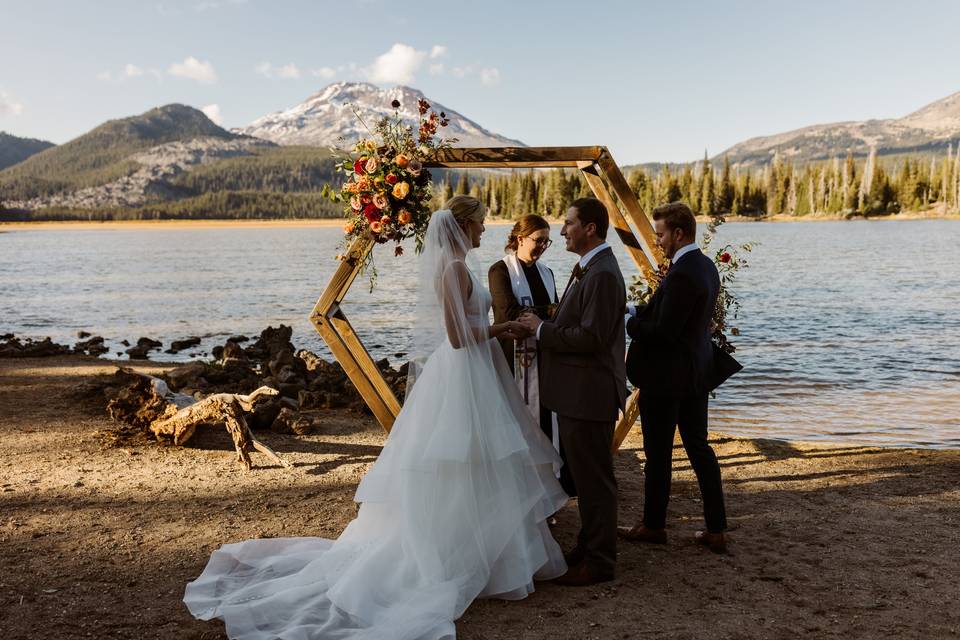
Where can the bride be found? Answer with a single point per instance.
(453, 509)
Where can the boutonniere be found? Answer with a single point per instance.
(582, 273)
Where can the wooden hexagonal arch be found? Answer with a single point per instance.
(608, 184)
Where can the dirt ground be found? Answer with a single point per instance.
(98, 538)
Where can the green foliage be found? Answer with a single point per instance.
(100, 156)
(221, 205)
(277, 169)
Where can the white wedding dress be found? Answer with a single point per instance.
(454, 508)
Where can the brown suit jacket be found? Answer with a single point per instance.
(582, 348)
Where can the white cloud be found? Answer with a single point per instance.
(398, 65)
(194, 69)
(9, 106)
(490, 76)
(212, 111)
(324, 72)
(287, 71)
(436, 69)
(437, 51)
(132, 71)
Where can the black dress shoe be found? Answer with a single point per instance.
(641, 533)
(581, 576)
(716, 542)
(575, 556)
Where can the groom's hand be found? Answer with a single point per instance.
(531, 322)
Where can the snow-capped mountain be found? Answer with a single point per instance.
(931, 128)
(326, 116)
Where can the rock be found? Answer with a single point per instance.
(238, 339)
(12, 347)
(217, 353)
(83, 334)
(179, 345)
(186, 374)
(138, 352)
(263, 415)
(6, 336)
(283, 423)
(270, 342)
(311, 360)
(125, 343)
(282, 359)
(94, 346)
(290, 389)
(233, 351)
(150, 343)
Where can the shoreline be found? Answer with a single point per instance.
(337, 222)
(826, 540)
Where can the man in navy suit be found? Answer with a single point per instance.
(669, 361)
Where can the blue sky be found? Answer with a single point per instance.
(654, 81)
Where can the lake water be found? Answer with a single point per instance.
(850, 330)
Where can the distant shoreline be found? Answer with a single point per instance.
(337, 222)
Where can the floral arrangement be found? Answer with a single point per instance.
(729, 260)
(386, 190)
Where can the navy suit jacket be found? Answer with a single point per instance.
(670, 351)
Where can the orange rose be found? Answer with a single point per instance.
(401, 190)
(404, 217)
(348, 228)
(385, 220)
(401, 160)
(376, 226)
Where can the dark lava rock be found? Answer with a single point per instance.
(83, 334)
(238, 339)
(264, 413)
(217, 353)
(138, 352)
(12, 347)
(149, 343)
(94, 346)
(233, 351)
(180, 345)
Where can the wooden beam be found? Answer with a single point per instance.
(355, 371)
(627, 420)
(363, 358)
(343, 277)
(492, 157)
(620, 226)
(629, 199)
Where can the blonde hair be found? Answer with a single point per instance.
(466, 209)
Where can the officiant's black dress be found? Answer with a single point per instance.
(506, 307)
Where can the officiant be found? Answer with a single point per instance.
(520, 282)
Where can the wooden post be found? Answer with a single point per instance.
(598, 168)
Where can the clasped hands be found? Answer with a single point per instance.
(524, 327)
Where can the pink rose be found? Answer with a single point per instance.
(372, 165)
(380, 201)
(355, 203)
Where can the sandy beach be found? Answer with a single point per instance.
(99, 532)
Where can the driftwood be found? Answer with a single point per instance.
(220, 407)
(147, 402)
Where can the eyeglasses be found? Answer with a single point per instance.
(541, 242)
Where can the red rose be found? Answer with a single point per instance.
(724, 257)
(358, 165)
(392, 178)
(371, 212)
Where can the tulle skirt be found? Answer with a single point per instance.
(454, 508)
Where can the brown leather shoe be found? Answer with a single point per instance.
(640, 533)
(580, 576)
(575, 556)
(716, 542)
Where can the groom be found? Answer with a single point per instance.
(583, 380)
